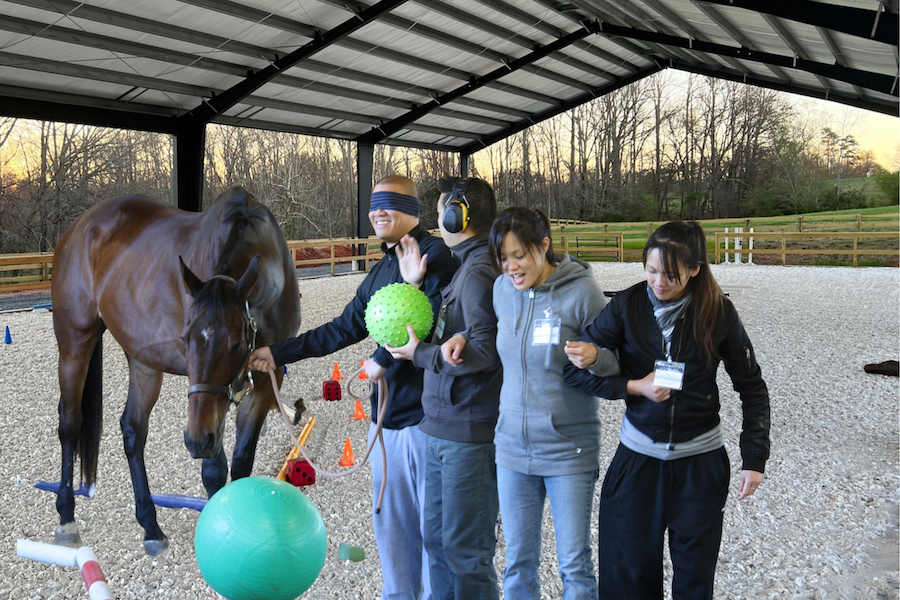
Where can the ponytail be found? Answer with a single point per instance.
(682, 244)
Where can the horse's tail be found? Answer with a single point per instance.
(91, 416)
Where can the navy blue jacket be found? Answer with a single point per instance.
(403, 378)
(628, 325)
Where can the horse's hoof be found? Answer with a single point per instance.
(156, 547)
(67, 535)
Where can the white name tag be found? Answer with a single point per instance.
(668, 374)
(439, 328)
(546, 332)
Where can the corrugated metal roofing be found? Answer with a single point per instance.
(452, 75)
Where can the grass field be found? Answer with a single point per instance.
(879, 219)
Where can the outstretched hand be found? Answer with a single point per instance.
(451, 350)
(406, 351)
(412, 261)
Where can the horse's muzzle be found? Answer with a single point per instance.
(206, 447)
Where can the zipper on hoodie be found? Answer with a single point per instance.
(672, 395)
(528, 313)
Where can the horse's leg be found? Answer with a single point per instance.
(250, 417)
(144, 384)
(79, 352)
(215, 471)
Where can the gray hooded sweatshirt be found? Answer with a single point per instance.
(546, 427)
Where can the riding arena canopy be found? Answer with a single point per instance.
(452, 75)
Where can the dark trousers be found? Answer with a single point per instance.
(641, 498)
(461, 508)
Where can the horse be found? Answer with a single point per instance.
(183, 293)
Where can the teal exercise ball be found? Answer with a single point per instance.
(260, 538)
(392, 307)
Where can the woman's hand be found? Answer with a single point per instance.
(406, 351)
(644, 387)
(451, 350)
(749, 483)
(412, 262)
(261, 360)
(581, 354)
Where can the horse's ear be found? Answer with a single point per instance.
(248, 279)
(192, 281)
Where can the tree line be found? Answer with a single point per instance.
(654, 150)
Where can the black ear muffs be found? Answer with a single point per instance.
(456, 210)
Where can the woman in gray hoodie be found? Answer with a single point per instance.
(548, 434)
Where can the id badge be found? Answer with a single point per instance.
(668, 374)
(440, 324)
(546, 332)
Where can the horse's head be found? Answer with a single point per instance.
(218, 336)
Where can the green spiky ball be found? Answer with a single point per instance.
(392, 307)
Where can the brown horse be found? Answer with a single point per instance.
(165, 283)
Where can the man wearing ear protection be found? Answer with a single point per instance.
(461, 400)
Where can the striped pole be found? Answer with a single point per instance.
(83, 558)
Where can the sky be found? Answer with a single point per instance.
(873, 131)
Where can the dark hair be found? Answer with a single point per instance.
(683, 244)
(529, 225)
(480, 197)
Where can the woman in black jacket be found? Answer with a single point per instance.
(671, 471)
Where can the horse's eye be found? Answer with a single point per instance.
(235, 347)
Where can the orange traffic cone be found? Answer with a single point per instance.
(363, 375)
(358, 412)
(347, 459)
(336, 374)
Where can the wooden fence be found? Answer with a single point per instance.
(853, 238)
(20, 272)
(591, 245)
(34, 271)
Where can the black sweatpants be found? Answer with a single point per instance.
(641, 498)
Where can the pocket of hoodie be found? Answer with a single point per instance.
(564, 440)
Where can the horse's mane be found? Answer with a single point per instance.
(236, 215)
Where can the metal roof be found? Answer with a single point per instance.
(453, 75)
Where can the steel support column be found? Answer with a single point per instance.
(190, 143)
(365, 154)
(464, 164)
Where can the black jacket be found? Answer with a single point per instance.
(628, 325)
(462, 403)
(403, 378)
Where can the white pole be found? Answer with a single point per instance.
(726, 247)
(750, 261)
(738, 245)
(93, 577)
(83, 558)
(46, 553)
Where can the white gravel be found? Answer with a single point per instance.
(824, 525)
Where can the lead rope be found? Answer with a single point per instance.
(382, 411)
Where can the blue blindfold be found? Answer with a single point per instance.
(394, 201)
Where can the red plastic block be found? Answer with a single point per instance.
(331, 390)
(300, 472)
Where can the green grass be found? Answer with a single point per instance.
(886, 219)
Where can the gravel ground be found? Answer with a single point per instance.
(824, 525)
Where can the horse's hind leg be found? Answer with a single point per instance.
(144, 384)
(80, 413)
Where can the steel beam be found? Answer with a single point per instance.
(861, 22)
